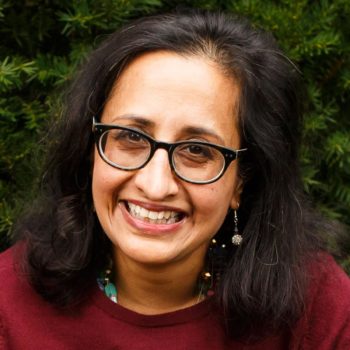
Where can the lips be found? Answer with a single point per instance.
(153, 216)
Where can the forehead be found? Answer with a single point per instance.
(175, 92)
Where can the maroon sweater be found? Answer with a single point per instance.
(28, 322)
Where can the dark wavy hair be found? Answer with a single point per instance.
(264, 280)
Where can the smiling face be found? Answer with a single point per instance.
(150, 215)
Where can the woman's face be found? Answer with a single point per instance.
(171, 98)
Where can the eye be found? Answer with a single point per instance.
(128, 136)
(196, 152)
(202, 151)
(123, 139)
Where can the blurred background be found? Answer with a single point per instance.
(43, 42)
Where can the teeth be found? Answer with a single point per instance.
(153, 215)
(156, 217)
(143, 212)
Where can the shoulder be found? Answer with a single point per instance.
(14, 284)
(11, 262)
(6, 259)
(8, 275)
(8, 291)
(326, 323)
(327, 281)
(26, 319)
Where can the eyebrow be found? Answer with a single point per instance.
(200, 131)
(188, 130)
(135, 118)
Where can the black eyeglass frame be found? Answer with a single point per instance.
(229, 154)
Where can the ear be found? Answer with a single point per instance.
(236, 195)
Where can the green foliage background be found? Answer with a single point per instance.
(42, 43)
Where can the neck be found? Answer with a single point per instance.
(155, 289)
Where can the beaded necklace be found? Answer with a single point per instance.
(111, 292)
(107, 286)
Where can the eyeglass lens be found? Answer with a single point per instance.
(129, 150)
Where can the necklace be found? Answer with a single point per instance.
(107, 286)
(111, 292)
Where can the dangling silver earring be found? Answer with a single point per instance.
(236, 238)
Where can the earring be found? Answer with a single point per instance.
(236, 238)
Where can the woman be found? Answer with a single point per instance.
(173, 189)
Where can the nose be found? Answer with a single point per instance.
(156, 180)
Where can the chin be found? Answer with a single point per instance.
(146, 253)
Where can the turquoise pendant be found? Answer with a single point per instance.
(111, 292)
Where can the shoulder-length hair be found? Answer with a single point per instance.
(263, 283)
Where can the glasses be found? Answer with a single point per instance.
(129, 149)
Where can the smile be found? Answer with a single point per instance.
(153, 217)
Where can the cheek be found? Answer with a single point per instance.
(99, 179)
(105, 180)
(212, 202)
